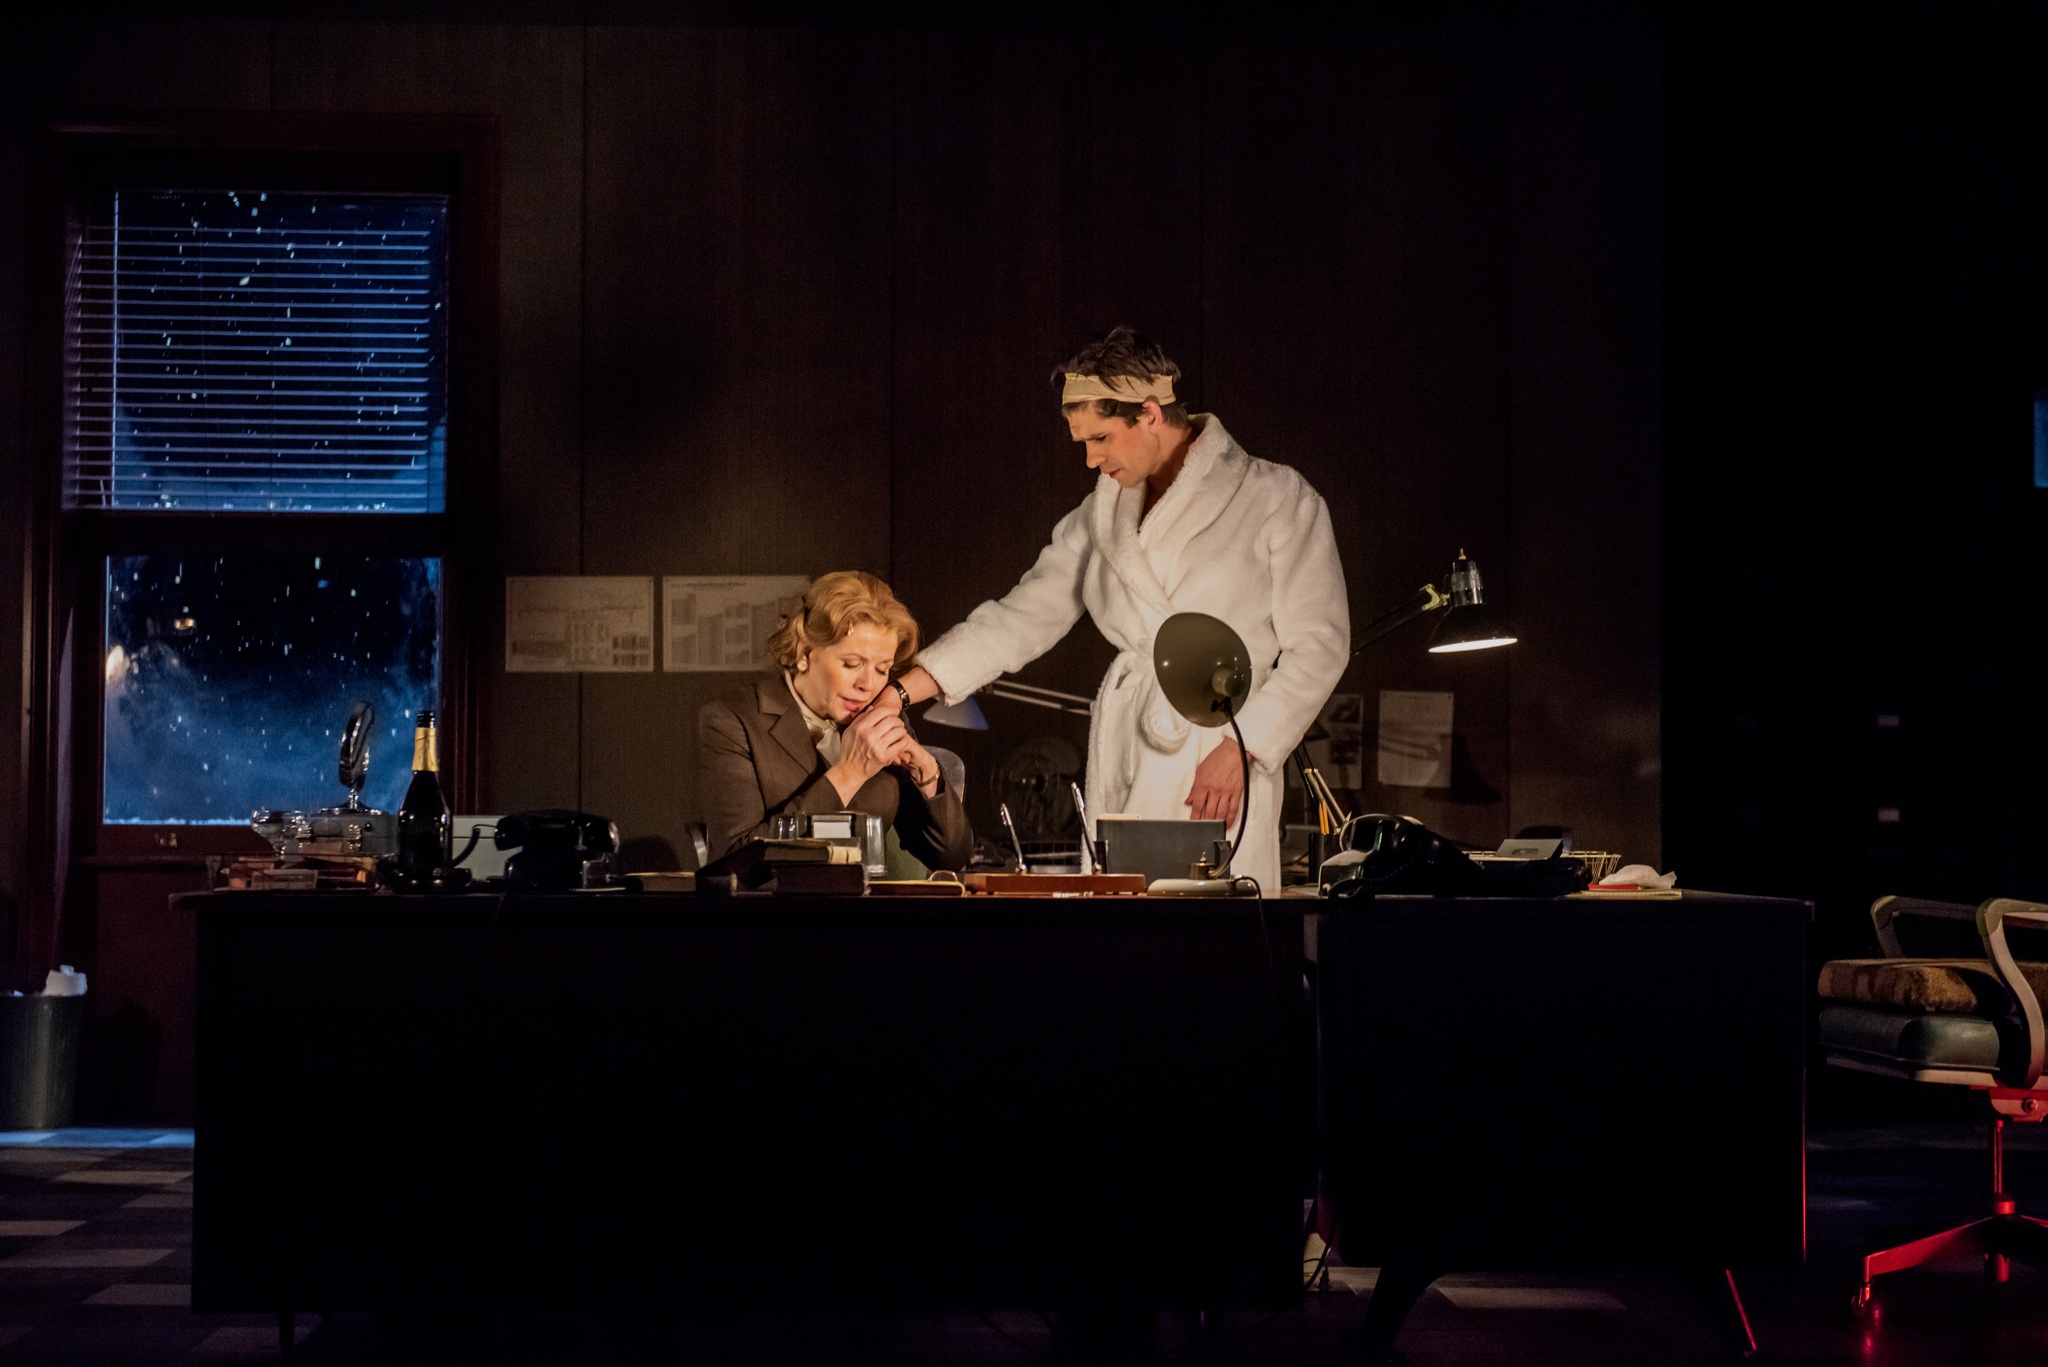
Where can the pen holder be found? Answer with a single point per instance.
(1320, 847)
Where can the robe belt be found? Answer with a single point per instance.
(1130, 711)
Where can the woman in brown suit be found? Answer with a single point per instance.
(803, 739)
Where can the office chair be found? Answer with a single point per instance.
(952, 766)
(1950, 1022)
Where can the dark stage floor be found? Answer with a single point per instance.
(95, 1265)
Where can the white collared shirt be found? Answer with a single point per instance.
(824, 731)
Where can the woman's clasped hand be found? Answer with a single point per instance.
(873, 741)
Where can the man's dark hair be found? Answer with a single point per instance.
(1123, 351)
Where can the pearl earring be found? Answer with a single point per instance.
(803, 664)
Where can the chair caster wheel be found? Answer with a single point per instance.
(1859, 1304)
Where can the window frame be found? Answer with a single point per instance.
(76, 165)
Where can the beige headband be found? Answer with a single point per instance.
(1117, 389)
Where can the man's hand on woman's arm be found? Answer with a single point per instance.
(916, 682)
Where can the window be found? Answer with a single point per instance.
(263, 432)
(239, 350)
(227, 678)
(243, 350)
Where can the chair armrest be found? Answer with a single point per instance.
(2021, 1066)
(1885, 908)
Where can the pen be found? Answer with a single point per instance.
(1087, 834)
(1015, 843)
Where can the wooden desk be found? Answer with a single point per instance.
(1555, 1083)
(675, 1101)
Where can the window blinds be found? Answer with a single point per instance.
(253, 351)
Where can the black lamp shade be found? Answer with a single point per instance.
(1470, 624)
(1202, 666)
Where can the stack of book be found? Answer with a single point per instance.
(786, 866)
(292, 873)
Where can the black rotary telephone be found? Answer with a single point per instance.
(555, 846)
(1398, 854)
(1394, 854)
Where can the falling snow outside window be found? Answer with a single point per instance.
(228, 678)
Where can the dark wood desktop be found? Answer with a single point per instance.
(673, 1101)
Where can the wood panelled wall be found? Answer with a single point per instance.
(784, 300)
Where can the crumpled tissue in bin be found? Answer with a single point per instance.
(64, 981)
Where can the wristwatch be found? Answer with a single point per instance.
(901, 692)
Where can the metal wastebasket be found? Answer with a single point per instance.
(39, 1061)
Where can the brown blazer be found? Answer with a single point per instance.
(759, 759)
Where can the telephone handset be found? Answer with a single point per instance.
(1394, 854)
(597, 834)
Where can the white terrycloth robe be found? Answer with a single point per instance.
(1238, 538)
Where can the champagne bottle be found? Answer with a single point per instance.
(424, 825)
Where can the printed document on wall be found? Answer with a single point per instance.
(579, 624)
(1415, 738)
(723, 624)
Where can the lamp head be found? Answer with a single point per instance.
(1202, 666)
(1469, 624)
(965, 714)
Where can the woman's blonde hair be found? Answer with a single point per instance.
(835, 604)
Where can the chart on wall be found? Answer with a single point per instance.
(579, 624)
(723, 624)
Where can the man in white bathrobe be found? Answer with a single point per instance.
(1182, 519)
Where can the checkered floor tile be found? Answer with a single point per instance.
(96, 1258)
(95, 1255)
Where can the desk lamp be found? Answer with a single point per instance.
(967, 714)
(1469, 625)
(1206, 674)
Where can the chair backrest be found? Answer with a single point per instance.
(952, 767)
(2023, 1051)
(1884, 909)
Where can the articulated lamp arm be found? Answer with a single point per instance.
(1426, 599)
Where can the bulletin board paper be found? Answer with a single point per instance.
(1415, 738)
(579, 624)
(723, 625)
